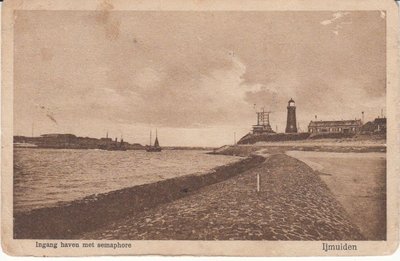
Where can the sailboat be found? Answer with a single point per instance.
(156, 147)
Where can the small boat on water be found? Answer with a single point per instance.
(156, 147)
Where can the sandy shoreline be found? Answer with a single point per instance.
(358, 183)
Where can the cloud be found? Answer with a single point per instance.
(216, 96)
(195, 70)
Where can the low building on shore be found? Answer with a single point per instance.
(376, 126)
(380, 124)
(59, 137)
(342, 126)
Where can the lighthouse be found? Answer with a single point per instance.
(291, 126)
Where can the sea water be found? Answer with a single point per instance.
(47, 177)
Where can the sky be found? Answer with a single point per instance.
(196, 77)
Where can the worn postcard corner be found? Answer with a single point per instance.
(203, 128)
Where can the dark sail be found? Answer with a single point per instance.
(156, 144)
(156, 147)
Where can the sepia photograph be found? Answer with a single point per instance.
(221, 125)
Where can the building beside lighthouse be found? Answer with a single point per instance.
(291, 125)
(343, 126)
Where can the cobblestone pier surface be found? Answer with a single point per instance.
(293, 204)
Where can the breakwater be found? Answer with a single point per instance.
(253, 138)
(293, 204)
(74, 218)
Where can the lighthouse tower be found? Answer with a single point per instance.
(291, 117)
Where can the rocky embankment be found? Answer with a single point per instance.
(72, 219)
(293, 204)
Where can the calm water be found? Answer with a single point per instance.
(43, 177)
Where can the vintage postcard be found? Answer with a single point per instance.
(185, 127)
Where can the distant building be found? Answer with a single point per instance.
(105, 141)
(343, 126)
(291, 125)
(380, 124)
(58, 137)
(376, 126)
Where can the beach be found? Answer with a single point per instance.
(358, 181)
